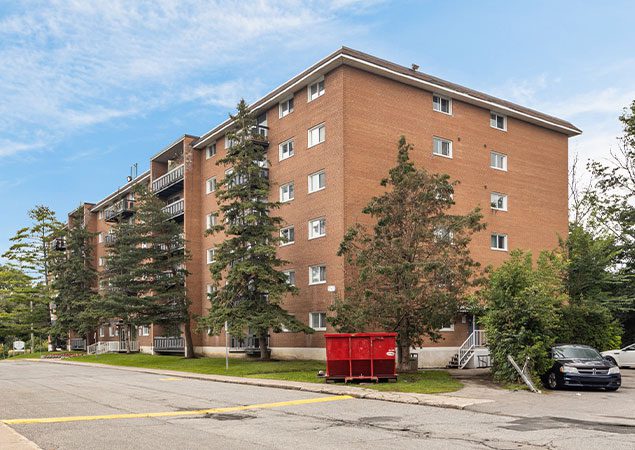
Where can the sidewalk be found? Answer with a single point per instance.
(12, 440)
(440, 401)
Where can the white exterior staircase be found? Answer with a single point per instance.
(477, 340)
(111, 347)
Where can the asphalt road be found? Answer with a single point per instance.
(57, 406)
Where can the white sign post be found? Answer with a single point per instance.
(18, 346)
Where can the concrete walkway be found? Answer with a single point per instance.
(12, 440)
(441, 401)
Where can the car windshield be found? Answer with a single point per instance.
(575, 353)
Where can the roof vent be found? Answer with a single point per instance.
(414, 67)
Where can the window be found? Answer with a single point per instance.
(317, 274)
(317, 320)
(211, 255)
(447, 327)
(210, 185)
(286, 107)
(287, 192)
(210, 150)
(499, 241)
(317, 181)
(211, 220)
(498, 121)
(102, 261)
(317, 228)
(101, 331)
(100, 237)
(210, 289)
(316, 89)
(317, 135)
(498, 161)
(144, 330)
(442, 104)
(287, 235)
(444, 235)
(285, 149)
(442, 147)
(498, 201)
(290, 276)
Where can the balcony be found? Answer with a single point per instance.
(119, 210)
(169, 345)
(175, 209)
(110, 238)
(170, 182)
(260, 135)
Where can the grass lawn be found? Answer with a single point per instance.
(428, 382)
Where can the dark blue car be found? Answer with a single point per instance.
(581, 366)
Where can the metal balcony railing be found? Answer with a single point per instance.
(119, 209)
(171, 178)
(175, 209)
(169, 345)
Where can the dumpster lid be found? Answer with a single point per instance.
(372, 334)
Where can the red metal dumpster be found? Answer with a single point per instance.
(360, 356)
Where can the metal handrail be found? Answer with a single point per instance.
(175, 208)
(173, 176)
(475, 340)
(118, 207)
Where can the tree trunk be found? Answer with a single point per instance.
(403, 363)
(264, 350)
(187, 335)
(128, 338)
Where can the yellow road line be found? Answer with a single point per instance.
(177, 413)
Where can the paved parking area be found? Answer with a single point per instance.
(587, 405)
(102, 407)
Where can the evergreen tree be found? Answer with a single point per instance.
(75, 281)
(30, 253)
(249, 284)
(145, 270)
(23, 311)
(411, 273)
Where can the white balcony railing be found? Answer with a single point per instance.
(172, 177)
(175, 209)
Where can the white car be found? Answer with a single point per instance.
(623, 358)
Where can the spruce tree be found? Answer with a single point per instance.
(30, 253)
(413, 270)
(246, 270)
(145, 270)
(75, 282)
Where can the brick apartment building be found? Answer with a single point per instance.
(332, 133)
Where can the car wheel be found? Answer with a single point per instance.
(611, 389)
(551, 382)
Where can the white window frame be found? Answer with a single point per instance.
(493, 121)
(441, 97)
(323, 135)
(208, 150)
(210, 288)
(494, 197)
(323, 226)
(288, 142)
(100, 237)
(289, 274)
(289, 103)
(498, 235)
(497, 154)
(210, 255)
(101, 331)
(290, 186)
(284, 242)
(102, 261)
(210, 220)
(208, 187)
(321, 317)
(319, 92)
(447, 328)
(441, 140)
(316, 174)
(144, 330)
(317, 266)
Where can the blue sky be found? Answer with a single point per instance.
(88, 88)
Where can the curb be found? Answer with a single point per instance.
(438, 401)
(12, 440)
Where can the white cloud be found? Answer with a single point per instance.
(76, 64)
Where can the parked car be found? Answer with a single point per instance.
(581, 366)
(622, 358)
